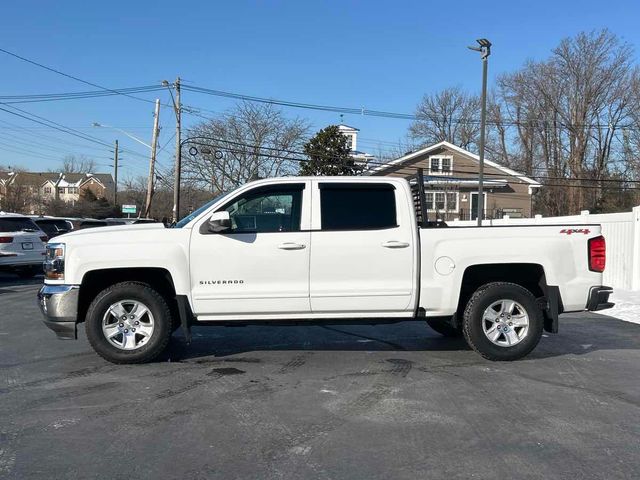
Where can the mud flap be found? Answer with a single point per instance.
(186, 316)
(552, 309)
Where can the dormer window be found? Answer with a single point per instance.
(440, 165)
(350, 141)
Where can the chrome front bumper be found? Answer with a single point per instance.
(59, 305)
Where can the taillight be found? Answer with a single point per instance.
(597, 254)
(6, 239)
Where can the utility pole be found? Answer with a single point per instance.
(178, 161)
(485, 51)
(115, 175)
(152, 161)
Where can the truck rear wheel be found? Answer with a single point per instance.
(502, 321)
(128, 322)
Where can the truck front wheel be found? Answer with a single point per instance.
(128, 322)
(502, 321)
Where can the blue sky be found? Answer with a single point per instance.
(380, 55)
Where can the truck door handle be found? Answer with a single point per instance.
(395, 244)
(291, 246)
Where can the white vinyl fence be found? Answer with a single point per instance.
(621, 231)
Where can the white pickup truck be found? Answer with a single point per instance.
(319, 249)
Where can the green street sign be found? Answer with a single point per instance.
(129, 209)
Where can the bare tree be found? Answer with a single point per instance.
(250, 141)
(78, 164)
(452, 115)
(567, 117)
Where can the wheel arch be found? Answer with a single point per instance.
(530, 276)
(94, 281)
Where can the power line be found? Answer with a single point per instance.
(51, 69)
(32, 143)
(58, 126)
(69, 131)
(410, 167)
(519, 182)
(52, 97)
(381, 113)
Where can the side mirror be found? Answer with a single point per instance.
(219, 222)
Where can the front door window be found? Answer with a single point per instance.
(262, 211)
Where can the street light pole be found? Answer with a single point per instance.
(115, 175)
(485, 51)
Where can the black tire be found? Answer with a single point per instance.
(444, 328)
(484, 297)
(137, 291)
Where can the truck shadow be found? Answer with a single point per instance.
(9, 280)
(225, 341)
(579, 334)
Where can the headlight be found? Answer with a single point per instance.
(54, 261)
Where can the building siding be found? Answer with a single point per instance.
(513, 199)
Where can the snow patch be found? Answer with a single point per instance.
(627, 306)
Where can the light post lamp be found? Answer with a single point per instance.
(116, 165)
(485, 50)
(132, 137)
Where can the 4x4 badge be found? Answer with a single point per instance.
(570, 231)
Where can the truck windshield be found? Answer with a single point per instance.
(198, 211)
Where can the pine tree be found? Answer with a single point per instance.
(329, 154)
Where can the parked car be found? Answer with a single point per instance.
(53, 226)
(320, 249)
(116, 221)
(129, 221)
(91, 223)
(22, 245)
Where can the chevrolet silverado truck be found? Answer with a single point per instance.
(319, 249)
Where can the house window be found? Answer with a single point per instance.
(47, 190)
(441, 165)
(442, 201)
(73, 190)
(60, 190)
(452, 201)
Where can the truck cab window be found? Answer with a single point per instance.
(260, 211)
(362, 206)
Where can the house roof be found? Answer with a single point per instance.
(35, 178)
(444, 144)
(104, 178)
(78, 179)
(342, 126)
(72, 178)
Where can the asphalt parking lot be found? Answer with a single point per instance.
(376, 402)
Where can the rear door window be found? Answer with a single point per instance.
(357, 206)
(17, 224)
